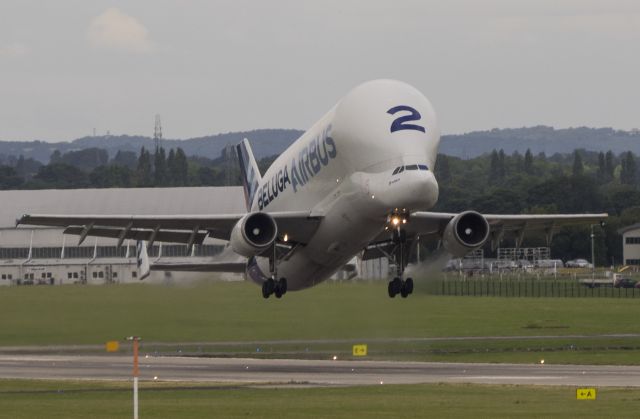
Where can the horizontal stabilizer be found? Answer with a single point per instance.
(237, 267)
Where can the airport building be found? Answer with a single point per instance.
(43, 255)
(46, 256)
(631, 244)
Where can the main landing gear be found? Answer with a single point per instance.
(278, 288)
(399, 256)
(398, 286)
(271, 285)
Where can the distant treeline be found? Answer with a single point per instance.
(498, 182)
(578, 182)
(92, 168)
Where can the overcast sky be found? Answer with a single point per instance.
(67, 67)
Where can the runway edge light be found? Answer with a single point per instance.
(586, 394)
(360, 350)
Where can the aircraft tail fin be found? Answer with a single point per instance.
(142, 259)
(249, 169)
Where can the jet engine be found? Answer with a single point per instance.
(253, 234)
(465, 232)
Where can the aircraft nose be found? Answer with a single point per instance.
(413, 189)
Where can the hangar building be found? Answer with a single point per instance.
(43, 255)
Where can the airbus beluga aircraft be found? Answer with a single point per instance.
(360, 181)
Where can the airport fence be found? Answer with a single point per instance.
(527, 287)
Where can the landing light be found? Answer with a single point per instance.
(395, 221)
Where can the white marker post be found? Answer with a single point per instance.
(136, 371)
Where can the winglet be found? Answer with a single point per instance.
(142, 259)
(250, 174)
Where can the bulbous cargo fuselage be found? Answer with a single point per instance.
(371, 155)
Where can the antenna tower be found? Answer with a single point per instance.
(157, 133)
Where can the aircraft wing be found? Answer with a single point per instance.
(189, 229)
(433, 223)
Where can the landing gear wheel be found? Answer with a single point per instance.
(282, 284)
(268, 287)
(395, 287)
(408, 285)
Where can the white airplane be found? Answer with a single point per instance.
(360, 181)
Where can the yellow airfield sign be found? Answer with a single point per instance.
(359, 350)
(112, 346)
(586, 394)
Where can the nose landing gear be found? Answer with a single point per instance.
(399, 256)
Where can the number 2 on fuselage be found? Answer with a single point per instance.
(400, 123)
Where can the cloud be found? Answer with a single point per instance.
(15, 49)
(118, 31)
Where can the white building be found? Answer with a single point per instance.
(630, 244)
(36, 255)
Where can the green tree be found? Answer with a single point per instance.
(528, 162)
(578, 168)
(181, 167)
(9, 179)
(56, 156)
(126, 159)
(86, 159)
(443, 171)
(111, 176)
(628, 172)
(144, 175)
(602, 167)
(61, 176)
(160, 167)
(494, 167)
(609, 166)
(172, 170)
(502, 169)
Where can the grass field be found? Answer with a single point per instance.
(349, 311)
(67, 399)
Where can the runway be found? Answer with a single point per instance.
(311, 372)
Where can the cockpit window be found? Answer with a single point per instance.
(401, 169)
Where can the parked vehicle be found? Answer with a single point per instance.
(624, 283)
(578, 263)
(549, 263)
(617, 281)
(525, 264)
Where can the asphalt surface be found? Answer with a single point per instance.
(307, 372)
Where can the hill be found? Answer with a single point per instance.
(268, 142)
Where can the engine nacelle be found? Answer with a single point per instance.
(467, 231)
(253, 234)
